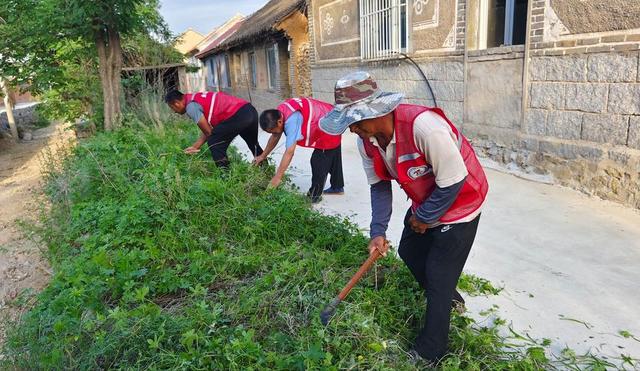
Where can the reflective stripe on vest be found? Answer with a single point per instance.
(216, 106)
(312, 110)
(415, 175)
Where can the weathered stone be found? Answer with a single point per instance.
(537, 69)
(570, 68)
(587, 97)
(530, 144)
(536, 121)
(613, 67)
(448, 90)
(634, 132)
(411, 89)
(622, 157)
(454, 71)
(327, 97)
(433, 70)
(547, 95)
(325, 86)
(624, 99)
(570, 151)
(605, 128)
(454, 111)
(564, 124)
(494, 93)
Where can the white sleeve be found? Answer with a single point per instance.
(367, 164)
(434, 138)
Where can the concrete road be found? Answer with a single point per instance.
(569, 263)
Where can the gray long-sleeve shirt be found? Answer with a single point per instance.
(431, 210)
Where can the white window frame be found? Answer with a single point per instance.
(483, 23)
(273, 74)
(381, 28)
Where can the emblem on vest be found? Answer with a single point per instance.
(418, 171)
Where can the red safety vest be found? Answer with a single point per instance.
(415, 175)
(312, 111)
(217, 106)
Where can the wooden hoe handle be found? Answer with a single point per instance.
(356, 277)
(328, 311)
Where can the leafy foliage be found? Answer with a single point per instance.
(49, 48)
(162, 262)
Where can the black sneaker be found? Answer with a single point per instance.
(415, 358)
(333, 191)
(458, 306)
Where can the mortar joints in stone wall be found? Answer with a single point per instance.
(628, 130)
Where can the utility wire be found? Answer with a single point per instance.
(424, 77)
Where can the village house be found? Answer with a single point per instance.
(198, 76)
(545, 86)
(267, 59)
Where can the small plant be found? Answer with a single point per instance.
(163, 262)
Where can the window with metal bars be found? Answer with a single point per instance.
(383, 28)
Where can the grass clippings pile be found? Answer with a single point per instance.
(163, 262)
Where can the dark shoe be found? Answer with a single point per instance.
(333, 191)
(415, 358)
(458, 306)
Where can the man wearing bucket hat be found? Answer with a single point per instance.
(437, 168)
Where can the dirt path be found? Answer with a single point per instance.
(23, 269)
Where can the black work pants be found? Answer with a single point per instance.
(243, 123)
(436, 259)
(323, 163)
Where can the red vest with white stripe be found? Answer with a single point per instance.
(217, 106)
(312, 111)
(415, 175)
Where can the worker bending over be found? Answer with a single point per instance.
(221, 117)
(298, 119)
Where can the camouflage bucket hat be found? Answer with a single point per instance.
(357, 98)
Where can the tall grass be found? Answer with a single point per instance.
(163, 262)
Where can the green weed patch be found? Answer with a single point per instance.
(162, 262)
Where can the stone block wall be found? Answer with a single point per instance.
(581, 110)
(23, 116)
(566, 104)
(446, 76)
(585, 108)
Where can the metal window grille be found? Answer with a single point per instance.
(383, 28)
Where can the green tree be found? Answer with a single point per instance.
(36, 31)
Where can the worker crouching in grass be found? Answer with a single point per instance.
(221, 117)
(298, 119)
(438, 170)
